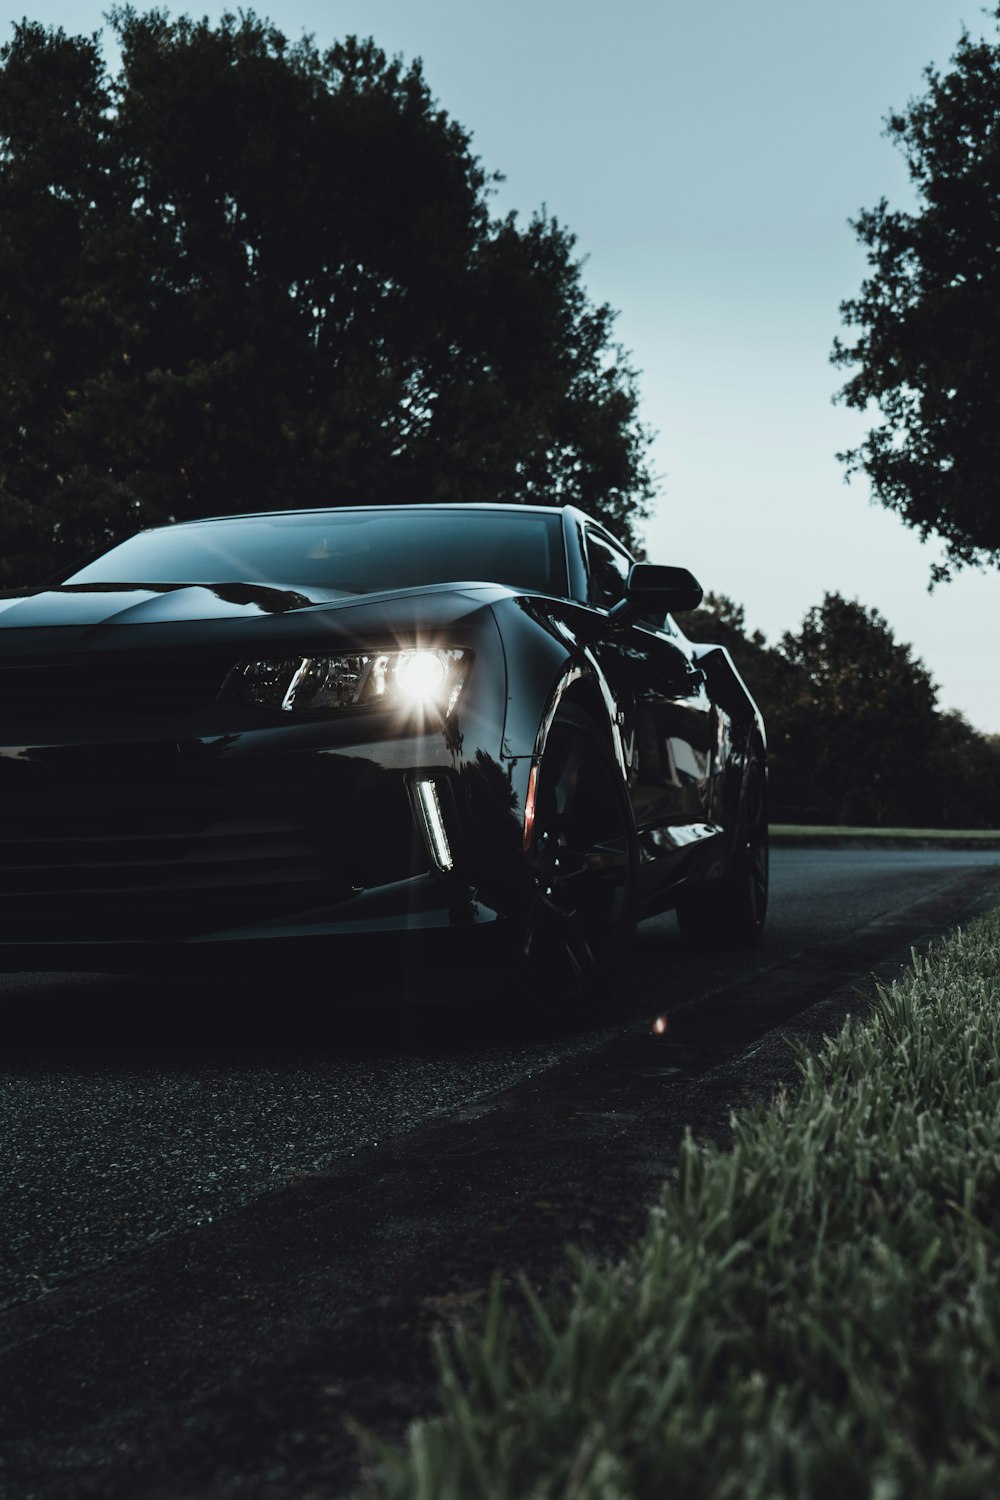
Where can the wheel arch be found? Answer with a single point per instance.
(582, 685)
(584, 693)
(547, 665)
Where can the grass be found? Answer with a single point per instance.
(987, 836)
(813, 1313)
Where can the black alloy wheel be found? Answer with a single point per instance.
(582, 867)
(730, 913)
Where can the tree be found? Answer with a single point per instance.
(853, 731)
(963, 784)
(242, 273)
(927, 345)
(864, 717)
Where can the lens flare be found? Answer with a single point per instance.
(420, 675)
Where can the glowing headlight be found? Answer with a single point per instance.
(426, 678)
(421, 674)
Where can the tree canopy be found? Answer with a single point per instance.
(243, 273)
(926, 323)
(853, 729)
(863, 716)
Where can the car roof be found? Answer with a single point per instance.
(417, 505)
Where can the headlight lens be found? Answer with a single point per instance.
(420, 678)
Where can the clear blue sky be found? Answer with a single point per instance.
(708, 157)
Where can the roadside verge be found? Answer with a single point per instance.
(813, 1310)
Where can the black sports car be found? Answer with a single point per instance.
(472, 730)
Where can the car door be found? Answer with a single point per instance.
(669, 723)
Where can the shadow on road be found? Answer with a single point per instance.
(137, 1020)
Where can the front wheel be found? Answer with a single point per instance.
(730, 912)
(581, 866)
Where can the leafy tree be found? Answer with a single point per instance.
(865, 714)
(963, 783)
(854, 734)
(723, 622)
(244, 273)
(927, 319)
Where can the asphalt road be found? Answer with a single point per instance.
(145, 1128)
(129, 1111)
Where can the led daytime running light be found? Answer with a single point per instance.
(437, 835)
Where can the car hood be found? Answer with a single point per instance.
(152, 604)
(137, 617)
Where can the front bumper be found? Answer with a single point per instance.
(135, 855)
(396, 932)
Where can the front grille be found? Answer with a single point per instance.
(192, 851)
(121, 687)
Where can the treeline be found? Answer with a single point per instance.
(242, 273)
(855, 735)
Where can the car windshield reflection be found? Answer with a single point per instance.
(345, 552)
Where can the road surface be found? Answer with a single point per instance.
(190, 1196)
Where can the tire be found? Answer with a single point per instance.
(730, 913)
(581, 868)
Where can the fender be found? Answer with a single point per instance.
(547, 660)
(585, 670)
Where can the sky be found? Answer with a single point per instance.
(708, 157)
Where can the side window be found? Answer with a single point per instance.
(609, 565)
(608, 571)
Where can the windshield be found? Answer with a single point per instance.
(345, 552)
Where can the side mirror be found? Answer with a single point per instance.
(653, 588)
